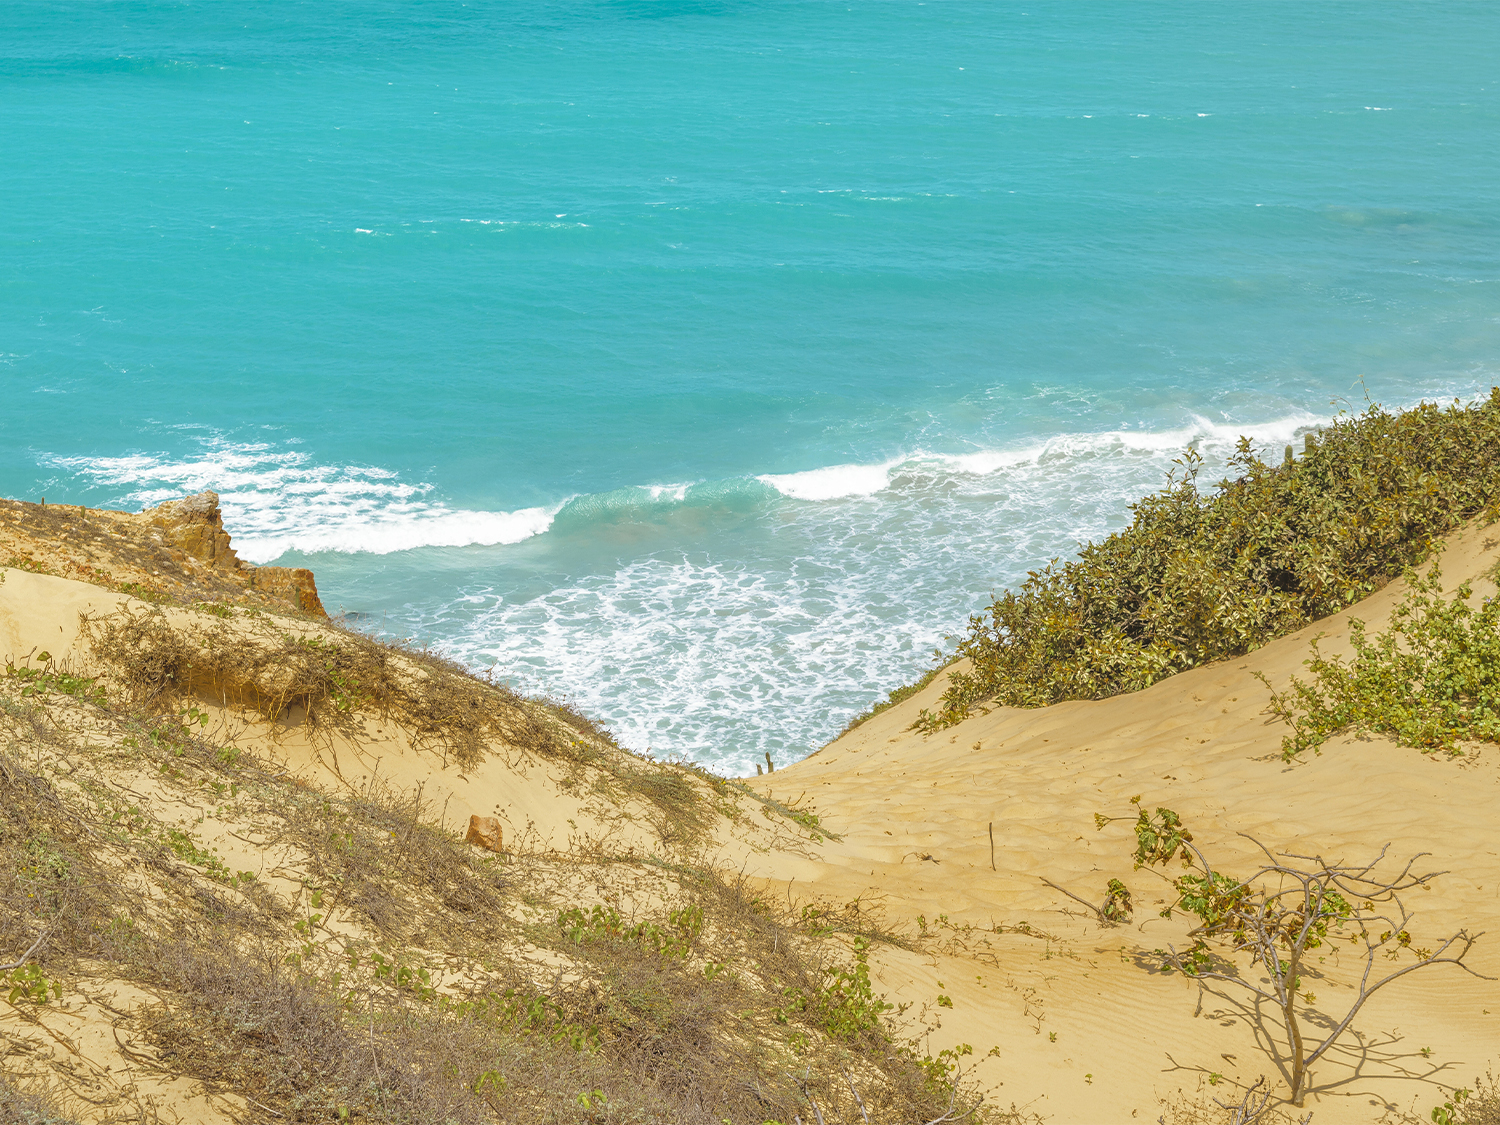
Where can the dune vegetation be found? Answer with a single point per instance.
(1202, 575)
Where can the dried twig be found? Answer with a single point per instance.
(1247, 1110)
(948, 1114)
(858, 1100)
(1097, 911)
(34, 946)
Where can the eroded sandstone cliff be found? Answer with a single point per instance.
(175, 552)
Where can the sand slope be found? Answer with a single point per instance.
(1061, 1016)
(915, 813)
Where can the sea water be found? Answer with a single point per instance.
(709, 362)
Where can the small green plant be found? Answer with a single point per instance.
(528, 1013)
(1117, 905)
(344, 688)
(27, 982)
(1449, 1112)
(844, 1003)
(489, 1080)
(1430, 680)
(46, 677)
(414, 980)
(604, 924)
(145, 593)
(941, 1069)
(1116, 908)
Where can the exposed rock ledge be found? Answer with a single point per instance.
(177, 551)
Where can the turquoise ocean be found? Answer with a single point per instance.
(708, 362)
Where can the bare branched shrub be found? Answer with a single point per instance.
(330, 676)
(375, 847)
(719, 1011)
(313, 1049)
(1255, 1105)
(1203, 576)
(55, 895)
(30, 1106)
(1290, 905)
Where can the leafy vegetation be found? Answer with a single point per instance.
(1465, 1106)
(1200, 576)
(48, 677)
(842, 1003)
(1430, 680)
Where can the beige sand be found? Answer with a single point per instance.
(1199, 743)
(1061, 1016)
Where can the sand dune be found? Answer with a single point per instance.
(915, 813)
(1063, 1016)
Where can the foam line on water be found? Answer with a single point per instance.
(278, 500)
(836, 482)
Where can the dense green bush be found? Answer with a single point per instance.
(1203, 576)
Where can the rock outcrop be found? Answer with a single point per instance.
(289, 583)
(194, 526)
(176, 551)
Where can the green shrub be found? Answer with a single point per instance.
(1429, 680)
(1204, 576)
(843, 1004)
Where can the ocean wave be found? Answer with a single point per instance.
(388, 531)
(278, 500)
(836, 482)
(1214, 439)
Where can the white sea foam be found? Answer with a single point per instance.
(279, 500)
(397, 530)
(839, 482)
